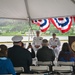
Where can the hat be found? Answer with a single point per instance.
(44, 41)
(37, 31)
(17, 38)
(54, 34)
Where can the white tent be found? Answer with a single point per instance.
(36, 9)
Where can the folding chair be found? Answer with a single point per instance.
(31, 74)
(19, 69)
(61, 63)
(45, 63)
(5, 74)
(39, 69)
(63, 69)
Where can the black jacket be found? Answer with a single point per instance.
(20, 57)
(45, 54)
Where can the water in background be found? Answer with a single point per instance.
(26, 39)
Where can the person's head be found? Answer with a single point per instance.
(44, 42)
(17, 40)
(3, 51)
(54, 35)
(65, 47)
(29, 46)
(23, 45)
(37, 33)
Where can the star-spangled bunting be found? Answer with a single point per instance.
(62, 24)
(44, 24)
(74, 18)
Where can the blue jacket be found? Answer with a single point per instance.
(66, 56)
(6, 66)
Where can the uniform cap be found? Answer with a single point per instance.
(37, 31)
(17, 38)
(54, 34)
(44, 41)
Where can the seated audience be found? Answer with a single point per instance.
(31, 50)
(23, 45)
(19, 56)
(6, 66)
(66, 53)
(45, 53)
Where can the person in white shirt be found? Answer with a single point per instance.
(37, 40)
(54, 43)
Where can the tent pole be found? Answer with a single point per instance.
(29, 31)
(26, 5)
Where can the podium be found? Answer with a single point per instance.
(71, 41)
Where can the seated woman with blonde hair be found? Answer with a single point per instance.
(6, 66)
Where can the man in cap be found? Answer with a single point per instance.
(54, 43)
(37, 41)
(19, 56)
(45, 53)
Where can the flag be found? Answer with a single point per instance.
(44, 24)
(74, 18)
(63, 24)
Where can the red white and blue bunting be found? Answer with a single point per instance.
(63, 24)
(44, 24)
(74, 18)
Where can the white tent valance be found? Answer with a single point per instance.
(36, 9)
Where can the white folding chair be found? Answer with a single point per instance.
(63, 69)
(45, 63)
(19, 69)
(31, 74)
(39, 69)
(61, 63)
(5, 74)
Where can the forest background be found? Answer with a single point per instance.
(21, 27)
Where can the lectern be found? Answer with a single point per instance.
(71, 40)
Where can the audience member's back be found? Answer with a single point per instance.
(20, 56)
(6, 66)
(66, 53)
(44, 53)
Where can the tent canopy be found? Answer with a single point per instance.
(36, 9)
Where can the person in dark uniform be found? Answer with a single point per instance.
(31, 50)
(19, 56)
(45, 53)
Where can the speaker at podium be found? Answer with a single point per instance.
(71, 41)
